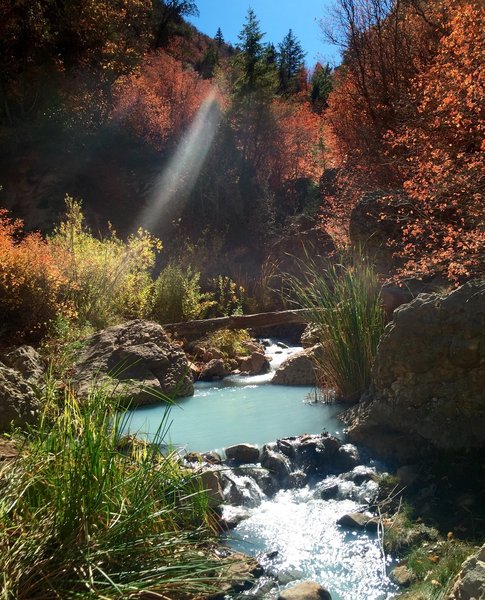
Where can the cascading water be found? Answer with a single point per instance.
(296, 537)
(294, 533)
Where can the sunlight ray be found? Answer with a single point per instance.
(174, 184)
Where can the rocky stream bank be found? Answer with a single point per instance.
(426, 404)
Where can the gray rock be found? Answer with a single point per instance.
(470, 582)
(265, 480)
(245, 453)
(233, 515)
(297, 479)
(19, 405)
(348, 457)
(402, 576)
(358, 521)
(327, 490)
(240, 490)
(360, 474)
(299, 368)
(136, 361)
(428, 379)
(27, 361)
(307, 590)
(276, 463)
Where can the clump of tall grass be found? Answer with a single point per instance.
(342, 298)
(84, 515)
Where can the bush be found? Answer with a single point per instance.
(108, 278)
(231, 342)
(344, 308)
(177, 295)
(85, 514)
(228, 297)
(32, 287)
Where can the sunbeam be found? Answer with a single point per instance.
(178, 178)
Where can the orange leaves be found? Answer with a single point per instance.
(297, 146)
(31, 285)
(445, 162)
(414, 118)
(159, 99)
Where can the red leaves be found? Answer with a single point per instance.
(159, 99)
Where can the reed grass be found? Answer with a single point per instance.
(342, 298)
(84, 515)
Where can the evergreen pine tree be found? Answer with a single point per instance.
(219, 38)
(290, 62)
(321, 86)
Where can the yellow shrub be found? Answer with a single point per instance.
(108, 278)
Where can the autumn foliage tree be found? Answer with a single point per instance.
(31, 284)
(47, 48)
(444, 171)
(406, 112)
(159, 98)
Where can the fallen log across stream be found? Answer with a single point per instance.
(258, 323)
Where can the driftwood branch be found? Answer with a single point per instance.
(199, 328)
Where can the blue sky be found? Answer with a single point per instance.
(276, 18)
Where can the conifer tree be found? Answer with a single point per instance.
(290, 62)
(219, 38)
(321, 86)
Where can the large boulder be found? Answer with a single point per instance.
(470, 582)
(19, 405)
(256, 364)
(215, 369)
(27, 361)
(299, 368)
(428, 377)
(136, 361)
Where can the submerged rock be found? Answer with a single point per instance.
(135, 361)
(428, 379)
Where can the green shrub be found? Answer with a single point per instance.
(230, 342)
(108, 278)
(85, 515)
(343, 304)
(177, 295)
(228, 297)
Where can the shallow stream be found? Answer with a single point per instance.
(294, 534)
